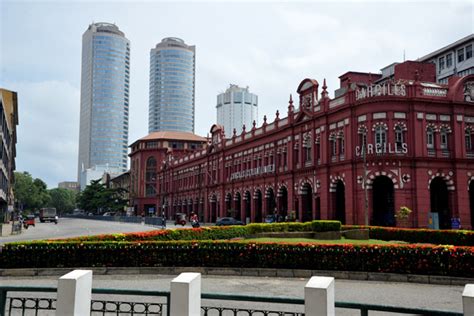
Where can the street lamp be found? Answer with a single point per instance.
(364, 177)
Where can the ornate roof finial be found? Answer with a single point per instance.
(234, 132)
(243, 129)
(290, 106)
(264, 120)
(254, 124)
(324, 93)
(277, 114)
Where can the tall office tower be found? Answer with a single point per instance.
(236, 107)
(105, 80)
(172, 72)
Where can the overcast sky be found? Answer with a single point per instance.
(270, 47)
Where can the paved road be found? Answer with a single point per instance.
(72, 227)
(440, 297)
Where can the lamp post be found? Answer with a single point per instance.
(364, 178)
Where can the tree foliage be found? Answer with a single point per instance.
(62, 199)
(30, 193)
(98, 199)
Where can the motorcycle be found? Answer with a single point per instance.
(195, 224)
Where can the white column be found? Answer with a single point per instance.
(468, 300)
(74, 294)
(186, 295)
(319, 297)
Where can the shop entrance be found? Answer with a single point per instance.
(440, 202)
(340, 202)
(307, 202)
(383, 199)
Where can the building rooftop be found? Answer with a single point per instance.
(174, 136)
(448, 47)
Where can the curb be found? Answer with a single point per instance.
(258, 272)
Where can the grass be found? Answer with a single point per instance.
(331, 241)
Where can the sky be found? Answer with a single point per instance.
(269, 46)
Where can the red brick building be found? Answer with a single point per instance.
(415, 136)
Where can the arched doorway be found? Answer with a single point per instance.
(340, 203)
(471, 202)
(439, 202)
(270, 204)
(237, 206)
(258, 206)
(248, 206)
(383, 202)
(213, 210)
(228, 205)
(283, 202)
(307, 202)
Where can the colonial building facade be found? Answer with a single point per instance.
(382, 143)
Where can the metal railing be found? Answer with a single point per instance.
(35, 305)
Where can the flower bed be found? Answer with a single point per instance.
(413, 259)
(417, 235)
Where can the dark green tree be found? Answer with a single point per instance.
(63, 200)
(30, 193)
(98, 199)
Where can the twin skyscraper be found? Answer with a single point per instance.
(105, 94)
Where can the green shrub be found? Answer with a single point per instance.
(325, 226)
(417, 235)
(413, 259)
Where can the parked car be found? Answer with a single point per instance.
(270, 219)
(226, 221)
(109, 214)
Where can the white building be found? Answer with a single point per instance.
(454, 59)
(236, 107)
(97, 172)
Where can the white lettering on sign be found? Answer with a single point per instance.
(385, 148)
(252, 172)
(376, 90)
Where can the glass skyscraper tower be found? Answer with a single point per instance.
(172, 72)
(105, 84)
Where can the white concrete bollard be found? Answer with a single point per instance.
(186, 295)
(468, 300)
(74, 294)
(319, 297)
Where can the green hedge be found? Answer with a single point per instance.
(412, 259)
(215, 232)
(417, 235)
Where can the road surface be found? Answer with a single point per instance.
(73, 227)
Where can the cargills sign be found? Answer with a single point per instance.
(384, 89)
(385, 148)
(252, 172)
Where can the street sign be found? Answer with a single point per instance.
(455, 223)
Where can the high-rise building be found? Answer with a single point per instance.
(236, 107)
(172, 77)
(105, 85)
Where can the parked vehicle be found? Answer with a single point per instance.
(180, 219)
(270, 219)
(48, 214)
(226, 221)
(28, 221)
(109, 214)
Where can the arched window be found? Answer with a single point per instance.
(399, 137)
(307, 148)
(380, 135)
(444, 138)
(469, 140)
(430, 138)
(150, 177)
